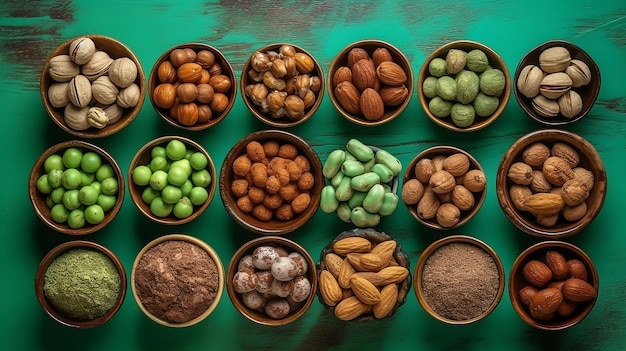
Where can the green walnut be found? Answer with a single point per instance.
(477, 61)
(437, 67)
(440, 107)
(462, 115)
(492, 82)
(455, 61)
(467, 86)
(485, 105)
(429, 87)
(446, 88)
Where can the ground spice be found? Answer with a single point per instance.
(460, 281)
(82, 284)
(176, 281)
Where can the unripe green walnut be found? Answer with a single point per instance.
(467, 86)
(440, 107)
(492, 82)
(477, 61)
(455, 61)
(429, 87)
(437, 67)
(462, 115)
(485, 105)
(446, 88)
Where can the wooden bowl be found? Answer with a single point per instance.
(265, 115)
(391, 112)
(517, 282)
(375, 238)
(588, 92)
(199, 244)
(259, 316)
(479, 196)
(589, 159)
(273, 226)
(221, 67)
(39, 200)
(115, 49)
(143, 157)
(47, 305)
(458, 267)
(495, 61)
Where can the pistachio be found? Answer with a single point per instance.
(554, 59)
(545, 107)
(570, 104)
(579, 72)
(555, 84)
(529, 81)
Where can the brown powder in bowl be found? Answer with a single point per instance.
(460, 281)
(176, 281)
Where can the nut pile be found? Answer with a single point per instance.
(549, 183)
(444, 187)
(361, 277)
(91, 87)
(359, 190)
(462, 86)
(369, 83)
(192, 86)
(272, 180)
(550, 83)
(284, 84)
(556, 286)
(272, 280)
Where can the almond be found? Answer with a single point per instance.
(351, 244)
(578, 290)
(577, 269)
(342, 74)
(350, 308)
(372, 262)
(544, 203)
(394, 96)
(557, 264)
(388, 300)
(372, 105)
(567, 308)
(537, 273)
(364, 290)
(348, 97)
(381, 55)
(393, 274)
(385, 250)
(355, 261)
(372, 277)
(391, 73)
(345, 273)
(527, 293)
(329, 288)
(332, 262)
(355, 55)
(364, 74)
(546, 301)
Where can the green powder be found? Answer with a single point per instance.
(82, 284)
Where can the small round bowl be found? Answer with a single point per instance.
(221, 67)
(479, 196)
(51, 310)
(589, 159)
(588, 92)
(39, 200)
(334, 257)
(115, 49)
(182, 285)
(458, 266)
(341, 60)
(517, 282)
(143, 157)
(248, 220)
(259, 316)
(495, 61)
(265, 115)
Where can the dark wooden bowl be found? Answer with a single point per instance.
(589, 159)
(47, 305)
(495, 61)
(115, 49)
(266, 118)
(341, 59)
(257, 316)
(143, 157)
(588, 93)
(517, 281)
(38, 200)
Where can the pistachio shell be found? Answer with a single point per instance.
(579, 72)
(529, 81)
(555, 84)
(570, 104)
(545, 107)
(554, 59)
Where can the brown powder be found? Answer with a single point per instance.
(460, 281)
(176, 281)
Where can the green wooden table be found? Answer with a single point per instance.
(31, 30)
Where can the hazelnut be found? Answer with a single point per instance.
(182, 55)
(219, 103)
(189, 72)
(187, 113)
(187, 92)
(164, 95)
(294, 107)
(205, 58)
(304, 63)
(166, 72)
(205, 93)
(220, 83)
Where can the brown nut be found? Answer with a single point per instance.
(537, 273)
(391, 73)
(520, 173)
(372, 105)
(348, 97)
(364, 74)
(557, 264)
(557, 171)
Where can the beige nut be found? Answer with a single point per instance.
(554, 59)
(545, 107)
(96, 117)
(555, 84)
(529, 81)
(114, 112)
(81, 50)
(62, 69)
(557, 171)
(58, 94)
(570, 104)
(579, 72)
(104, 91)
(123, 72)
(76, 117)
(129, 96)
(97, 66)
(79, 91)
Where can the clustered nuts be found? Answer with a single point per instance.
(444, 187)
(361, 278)
(550, 83)
(272, 181)
(283, 84)
(555, 286)
(272, 280)
(549, 183)
(369, 83)
(92, 87)
(192, 87)
(462, 86)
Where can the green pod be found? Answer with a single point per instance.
(369, 165)
(357, 199)
(349, 156)
(389, 160)
(365, 181)
(344, 212)
(361, 151)
(336, 179)
(333, 163)
(387, 187)
(344, 191)
(385, 174)
(328, 200)
(374, 199)
(390, 203)
(352, 168)
(363, 219)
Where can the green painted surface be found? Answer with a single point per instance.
(29, 32)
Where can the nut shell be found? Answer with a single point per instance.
(123, 72)
(79, 91)
(554, 59)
